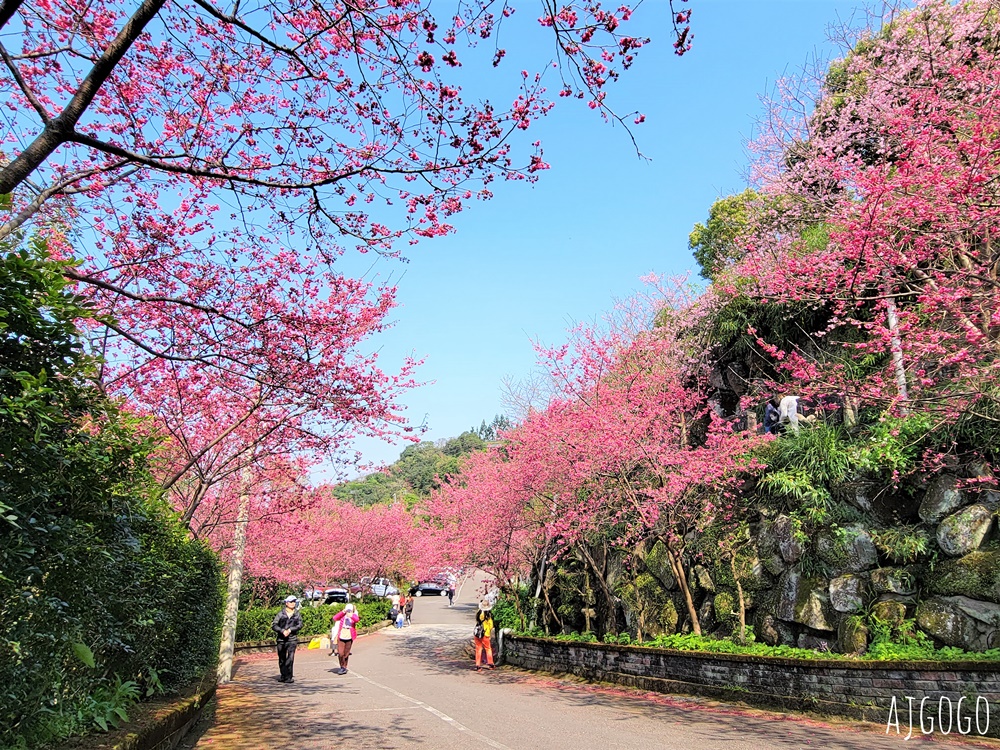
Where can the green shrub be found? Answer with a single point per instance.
(918, 648)
(103, 595)
(505, 609)
(903, 544)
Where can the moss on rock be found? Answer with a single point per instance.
(977, 575)
(725, 606)
(852, 635)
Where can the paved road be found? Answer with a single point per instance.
(415, 688)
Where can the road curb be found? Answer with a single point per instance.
(170, 726)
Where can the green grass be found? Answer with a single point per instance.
(879, 651)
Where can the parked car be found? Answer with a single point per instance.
(383, 587)
(434, 587)
(373, 586)
(314, 593)
(337, 594)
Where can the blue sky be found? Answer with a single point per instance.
(536, 259)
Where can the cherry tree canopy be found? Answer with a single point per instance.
(882, 210)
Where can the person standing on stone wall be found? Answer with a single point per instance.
(286, 626)
(771, 415)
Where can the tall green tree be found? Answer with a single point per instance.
(716, 242)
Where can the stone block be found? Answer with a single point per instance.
(976, 575)
(942, 619)
(702, 579)
(941, 499)
(849, 549)
(890, 612)
(852, 635)
(893, 581)
(963, 532)
(805, 601)
(847, 593)
(789, 547)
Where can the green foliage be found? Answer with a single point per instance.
(795, 491)
(371, 490)
(255, 624)
(903, 544)
(814, 238)
(105, 707)
(915, 650)
(892, 445)
(787, 323)
(505, 609)
(716, 242)
(491, 431)
(420, 469)
(819, 453)
(905, 642)
(101, 585)
(464, 444)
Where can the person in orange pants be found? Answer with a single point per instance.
(482, 633)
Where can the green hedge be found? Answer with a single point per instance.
(706, 644)
(103, 596)
(255, 624)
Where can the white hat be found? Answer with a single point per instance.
(291, 598)
(486, 605)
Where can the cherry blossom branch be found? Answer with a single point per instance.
(57, 130)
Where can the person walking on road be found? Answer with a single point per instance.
(408, 611)
(451, 594)
(343, 634)
(401, 611)
(286, 626)
(481, 635)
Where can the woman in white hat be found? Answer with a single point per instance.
(481, 635)
(343, 634)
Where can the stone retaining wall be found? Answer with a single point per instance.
(858, 689)
(170, 726)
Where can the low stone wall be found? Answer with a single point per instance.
(867, 690)
(170, 726)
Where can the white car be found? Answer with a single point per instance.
(383, 587)
(372, 586)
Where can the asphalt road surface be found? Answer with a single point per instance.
(415, 687)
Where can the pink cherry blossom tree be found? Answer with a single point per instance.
(628, 449)
(890, 217)
(333, 540)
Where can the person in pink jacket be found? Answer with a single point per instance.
(343, 634)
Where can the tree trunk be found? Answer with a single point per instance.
(224, 673)
(552, 611)
(538, 588)
(678, 568)
(742, 601)
(599, 575)
(896, 346)
(850, 413)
